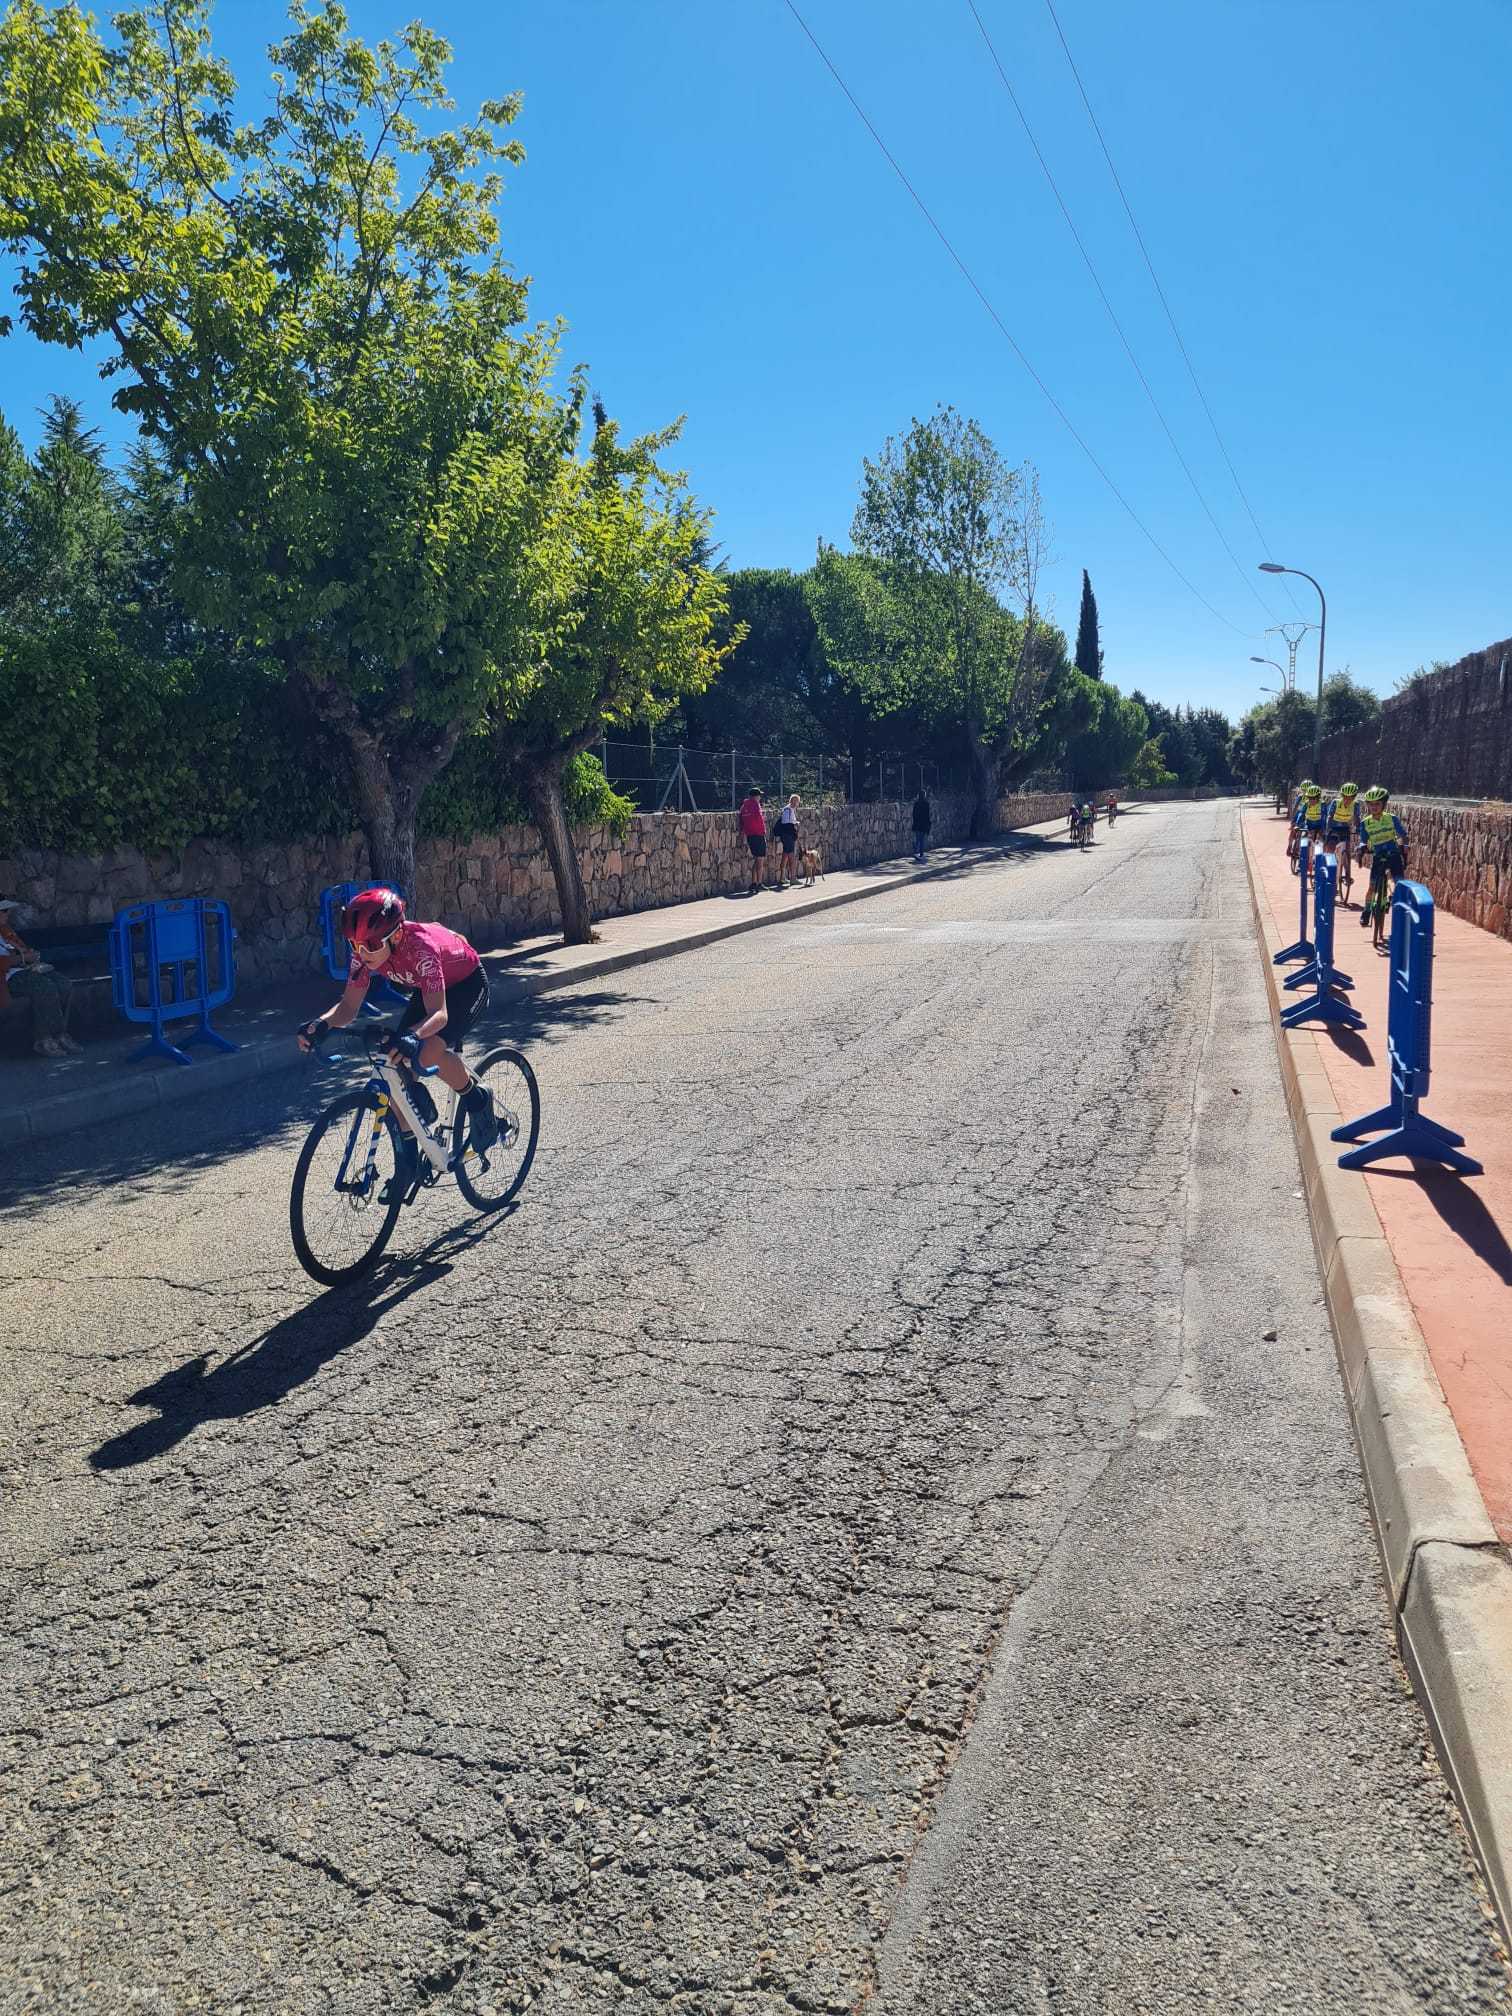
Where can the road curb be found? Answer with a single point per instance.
(260, 1056)
(1448, 1580)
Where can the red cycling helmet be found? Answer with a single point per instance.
(372, 917)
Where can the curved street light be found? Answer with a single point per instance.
(1273, 567)
(1271, 662)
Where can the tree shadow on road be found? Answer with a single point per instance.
(1466, 1213)
(269, 1368)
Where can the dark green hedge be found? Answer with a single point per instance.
(103, 748)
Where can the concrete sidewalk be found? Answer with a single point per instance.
(1417, 1267)
(47, 1098)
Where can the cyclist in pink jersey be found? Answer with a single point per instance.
(445, 977)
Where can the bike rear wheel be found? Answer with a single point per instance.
(490, 1180)
(336, 1219)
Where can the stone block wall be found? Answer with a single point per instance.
(1449, 735)
(496, 887)
(1465, 857)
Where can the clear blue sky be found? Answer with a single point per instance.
(1322, 185)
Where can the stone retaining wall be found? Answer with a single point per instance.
(1465, 857)
(496, 887)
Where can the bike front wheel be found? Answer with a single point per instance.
(337, 1218)
(490, 1179)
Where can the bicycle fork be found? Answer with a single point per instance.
(374, 1116)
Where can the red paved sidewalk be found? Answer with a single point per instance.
(1451, 1236)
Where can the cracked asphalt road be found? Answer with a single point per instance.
(847, 1539)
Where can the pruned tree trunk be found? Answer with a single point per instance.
(388, 787)
(542, 786)
(388, 821)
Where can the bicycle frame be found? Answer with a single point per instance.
(388, 1084)
(398, 1097)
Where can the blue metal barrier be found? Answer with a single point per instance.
(380, 996)
(1324, 1004)
(1303, 947)
(170, 961)
(1408, 1029)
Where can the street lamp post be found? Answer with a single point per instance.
(1272, 567)
(1285, 685)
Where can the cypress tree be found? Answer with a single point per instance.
(1089, 657)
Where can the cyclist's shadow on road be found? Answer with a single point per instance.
(263, 1372)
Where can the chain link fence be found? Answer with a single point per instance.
(667, 777)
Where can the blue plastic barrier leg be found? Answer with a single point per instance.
(1307, 976)
(1323, 1006)
(1303, 948)
(157, 1045)
(1411, 1133)
(1403, 1130)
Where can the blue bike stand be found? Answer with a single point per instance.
(1408, 1132)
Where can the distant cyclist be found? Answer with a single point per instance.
(1340, 819)
(1112, 806)
(1309, 824)
(1088, 821)
(1386, 837)
(446, 979)
(1073, 818)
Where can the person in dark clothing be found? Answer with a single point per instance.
(922, 821)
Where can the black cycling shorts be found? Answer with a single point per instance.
(464, 1003)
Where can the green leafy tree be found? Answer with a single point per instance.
(1148, 771)
(1057, 705)
(631, 622)
(1280, 740)
(958, 530)
(312, 314)
(1089, 657)
(764, 698)
(1183, 757)
(1103, 754)
(1212, 733)
(1347, 704)
(1275, 742)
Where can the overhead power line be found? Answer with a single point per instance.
(1002, 327)
(1246, 577)
(1160, 291)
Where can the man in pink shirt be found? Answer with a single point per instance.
(753, 825)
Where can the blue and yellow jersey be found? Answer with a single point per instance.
(1342, 813)
(1384, 833)
(1312, 811)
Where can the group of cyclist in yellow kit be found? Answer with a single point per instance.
(1347, 826)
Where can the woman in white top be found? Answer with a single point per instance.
(787, 833)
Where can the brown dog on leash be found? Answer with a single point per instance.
(812, 863)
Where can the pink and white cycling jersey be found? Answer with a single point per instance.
(424, 956)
